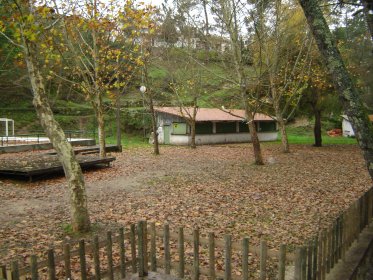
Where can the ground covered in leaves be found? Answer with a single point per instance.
(215, 188)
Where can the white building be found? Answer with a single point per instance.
(213, 126)
(347, 129)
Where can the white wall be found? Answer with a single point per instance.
(221, 138)
(347, 128)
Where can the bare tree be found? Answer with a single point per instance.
(228, 13)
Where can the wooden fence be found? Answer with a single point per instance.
(319, 255)
(142, 248)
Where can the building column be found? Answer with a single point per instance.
(237, 127)
(6, 127)
(214, 127)
(13, 127)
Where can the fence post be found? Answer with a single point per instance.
(15, 270)
(245, 258)
(109, 251)
(315, 256)
(196, 254)
(324, 253)
(319, 256)
(34, 267)
(309, 259)
(141, 249)
(298, 264)
(3, 272)
(282, 262)
(83, 265)
(304, 263)
(212, 272)
(263, 259)
(167, 255)
(145, 236)
(51, 265)
(181, 253)
(122, 253)
(329, 250)
(96, 258)
(153, 248)
(66, 256)
(133, 247)
(228, 257)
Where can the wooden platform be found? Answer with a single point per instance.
(32, 167)
(90, 150)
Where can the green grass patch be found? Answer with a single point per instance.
(304, 135)
(304, 139)
(129, 141)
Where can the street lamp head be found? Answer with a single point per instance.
(143, 89)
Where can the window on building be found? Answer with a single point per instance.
(179, 128)
(244, 127)
(226, 127)
(204, 128)
(267, 126)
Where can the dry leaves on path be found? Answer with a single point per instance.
(215, 188)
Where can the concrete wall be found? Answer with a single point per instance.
(220, 138)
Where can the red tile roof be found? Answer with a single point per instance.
(212, 114)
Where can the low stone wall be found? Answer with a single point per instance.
(43, 146)
(205, 139)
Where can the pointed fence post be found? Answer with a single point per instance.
(167, 254)
(196, 254)
(263, 259)
(15, 270)
(51, 265)
(212, 272)
(228, 257)
(83, 264)
(282, 262)
(181, 253)
(34, 267)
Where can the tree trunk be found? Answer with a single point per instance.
(101, 125)
(254, 139)
(78, 198)
(193, 134)
(117, 117)
(349, 94)
(279, 117)
(284, 135)
(154, 125)
(317, 128)
(256, 144)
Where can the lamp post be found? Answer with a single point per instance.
(143, 90)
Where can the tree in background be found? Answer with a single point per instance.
(319, 96)
(281, 46)
(348, 92)
(103, 40)
(187, 88)
(229, 13)
(30, 28)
